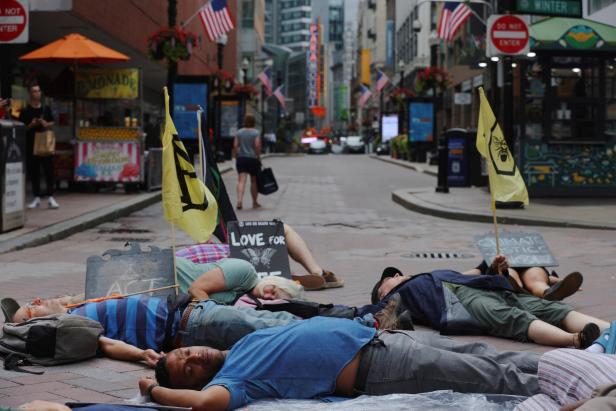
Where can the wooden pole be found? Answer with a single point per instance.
(111, 297)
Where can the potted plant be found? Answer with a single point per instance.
(171, 43)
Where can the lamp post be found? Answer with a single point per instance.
(401, 109)
(220, 43)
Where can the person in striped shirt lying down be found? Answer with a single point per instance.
(140, 328)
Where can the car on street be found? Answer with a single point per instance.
(319, 146)
(354, 144)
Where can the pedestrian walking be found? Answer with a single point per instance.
(38, 118)
(247, 153)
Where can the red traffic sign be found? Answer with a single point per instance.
(13, 21)
(508, 34)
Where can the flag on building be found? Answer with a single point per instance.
(279, 93)
(211, 176)
(381, 80)
(365, 95)
(453, 15)
(266, 78)
(216, 19)
(187, 202)
(506, 184)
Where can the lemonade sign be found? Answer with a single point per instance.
(108, 83)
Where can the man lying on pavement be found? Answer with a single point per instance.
(301, 361)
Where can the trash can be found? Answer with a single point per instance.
(464, 161)
(12, 174)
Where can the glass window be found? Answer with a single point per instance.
(596, 5)
(248, 12)
(533, 107)
(610, 96)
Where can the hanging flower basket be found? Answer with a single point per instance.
(430, 78)
(173, 44)
(400, 94)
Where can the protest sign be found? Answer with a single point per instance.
(521, 249)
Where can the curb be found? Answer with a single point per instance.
(83, 222)
(407, 200)
(405, 164)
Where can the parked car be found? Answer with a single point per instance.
(319, 146)
(354, 144)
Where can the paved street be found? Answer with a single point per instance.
(342, 206)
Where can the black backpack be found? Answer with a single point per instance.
(51, 340)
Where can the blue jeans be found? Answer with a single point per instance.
(220, 326)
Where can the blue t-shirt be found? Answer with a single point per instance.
(138, 320)
(297, 361)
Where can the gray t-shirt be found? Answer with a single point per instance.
(247, 146)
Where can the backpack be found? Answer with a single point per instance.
(51, 340)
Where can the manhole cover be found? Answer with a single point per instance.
(130, 240)
(123, 231)
(433, 255)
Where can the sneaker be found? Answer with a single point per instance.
(52, 203)
(35, 203)
(387, 317)
(564, 288)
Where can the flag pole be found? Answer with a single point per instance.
(117, 296)
(175, 272)
(200, 137)
(188, 20)
(495, 226)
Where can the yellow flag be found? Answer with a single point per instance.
(506, 183)
(187, 202)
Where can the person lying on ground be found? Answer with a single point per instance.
(138, 328)
(300, 361)
(535, 280)
(574, 380)
(452, 302)
(317, 278)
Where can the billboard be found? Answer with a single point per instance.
(421, 121)
(389, 126)
(187, 97)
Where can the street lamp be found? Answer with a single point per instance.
(245, 66)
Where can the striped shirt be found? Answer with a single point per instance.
(138, 320)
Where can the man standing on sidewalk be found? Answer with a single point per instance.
(38, 118)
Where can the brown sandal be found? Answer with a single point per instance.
(310, 282)
(331, 281)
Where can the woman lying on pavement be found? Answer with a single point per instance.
(535, 280)
(202, 254)
(452, 303)
(300, 361)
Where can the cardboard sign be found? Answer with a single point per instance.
(263, 244)
(521, 249)
(129, 271)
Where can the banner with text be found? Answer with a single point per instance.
(107, 83)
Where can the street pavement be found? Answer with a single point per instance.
(341, 205)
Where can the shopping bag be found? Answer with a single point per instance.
(266, 182)
(44, 143)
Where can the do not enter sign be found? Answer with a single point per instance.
(13, 21)
(508, 34)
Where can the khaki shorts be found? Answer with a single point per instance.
(508, 314)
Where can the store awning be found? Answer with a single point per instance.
(568, 34)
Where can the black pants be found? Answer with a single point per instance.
(34, 164)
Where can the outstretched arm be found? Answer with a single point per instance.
(211, 399)
(119, 350)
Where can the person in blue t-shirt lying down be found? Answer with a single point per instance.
(300, 361)
(456, 303)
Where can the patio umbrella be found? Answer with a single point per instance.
(75, 49)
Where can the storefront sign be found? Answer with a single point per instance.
(107, 161)
(421, 122)
(313, 66)
(14, 21)
(478, 80)
(466, 85)
(107, 83)
(508, 34)
(552, 8)
(462, 99)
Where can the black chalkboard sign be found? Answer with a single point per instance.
(129, 271)
(521, 249)
(263, 244)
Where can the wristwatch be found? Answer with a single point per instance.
(148, 393)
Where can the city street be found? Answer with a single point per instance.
(342, 207)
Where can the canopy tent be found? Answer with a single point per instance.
(568, 34)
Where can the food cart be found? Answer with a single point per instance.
(110, 143)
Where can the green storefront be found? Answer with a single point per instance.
(566, 116)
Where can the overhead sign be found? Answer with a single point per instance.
(508, 34)
(313, 66)
(521, 249)
(462, 99)
(107, 83)
(14, 21)
(262, 244)
(552, 8)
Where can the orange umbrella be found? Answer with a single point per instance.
(75, 48)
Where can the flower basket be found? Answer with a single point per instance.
(400, 94)
(430, 78)
(173, 44)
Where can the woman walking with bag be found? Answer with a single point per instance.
(247, 153)
(38, 119)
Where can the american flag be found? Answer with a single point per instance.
(381, 80)
(265, 77)
(216, 19)
(279, 93)
(365, 95)
(454, 14)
